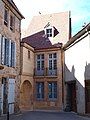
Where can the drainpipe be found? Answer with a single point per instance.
(62, 65)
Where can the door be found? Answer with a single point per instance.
(71, 97)
(87, 95)
(11, 95)
(25, 96)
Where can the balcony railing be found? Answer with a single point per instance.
(45, 72)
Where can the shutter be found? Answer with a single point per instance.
(0, 47)
(2, 50)
(13, 54)
(11, 95)
(9, 52)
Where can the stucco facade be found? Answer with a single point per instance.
(77, 61)
(10, 35)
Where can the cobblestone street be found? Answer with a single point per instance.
(46, 116)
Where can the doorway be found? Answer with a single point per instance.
(87, 95)
(26, 96)
(71, 97)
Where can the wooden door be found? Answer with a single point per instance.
(73, 97)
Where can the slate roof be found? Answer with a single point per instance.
(40, 41)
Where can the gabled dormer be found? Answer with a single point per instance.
(49, 30)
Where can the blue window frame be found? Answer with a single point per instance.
(8, 52)
(40, 62)
(40, 90)
(52, 90)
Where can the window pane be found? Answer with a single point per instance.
(50, 55)
(6, 17)
(38, 56)
(6, 57)
(38, 65)
(52, 87)
(12, 22)
(40, 90)
(42, 56)
(50, 64)
(54, 55)
(49, 32)
(55, 64)
(42, 65)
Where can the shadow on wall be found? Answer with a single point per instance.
(75, 92)
(87, 71)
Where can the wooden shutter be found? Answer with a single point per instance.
(11, 95)
(9, 52)
(13, 54)
(2, 50)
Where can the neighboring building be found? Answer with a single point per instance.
(77, 72)
(58, 24)
(10, 37)
(41, 62)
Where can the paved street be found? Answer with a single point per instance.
(46, 116)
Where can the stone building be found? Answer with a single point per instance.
(10, 37)
(41, 62)
(77, 72)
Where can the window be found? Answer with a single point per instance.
(52, 90)
(52, 61)
(8, 52)
(40, 90)
(6, 17)
(40, 62)
(12, 22)
(6, 61)
(28, 54)
(49, 32)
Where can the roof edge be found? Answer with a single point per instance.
(77, 35)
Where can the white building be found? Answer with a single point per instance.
(77, 72)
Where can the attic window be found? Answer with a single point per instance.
(49, 32)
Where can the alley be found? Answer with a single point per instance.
(46, 116)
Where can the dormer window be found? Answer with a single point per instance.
(49, 32)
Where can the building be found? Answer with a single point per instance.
(41, 62)
(77, 72)
(10, 37)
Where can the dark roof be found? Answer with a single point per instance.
(15, 7)
(40, 41)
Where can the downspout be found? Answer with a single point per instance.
(62, 65)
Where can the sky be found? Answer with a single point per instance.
(80, 10)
